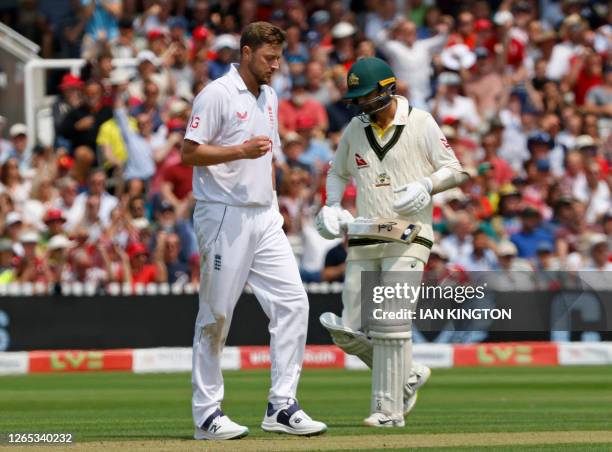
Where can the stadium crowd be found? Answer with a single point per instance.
(522, 91)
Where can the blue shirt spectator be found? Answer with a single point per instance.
(103, 21)
(532, 234)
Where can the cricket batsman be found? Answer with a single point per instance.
(230, 139)
(399, 158)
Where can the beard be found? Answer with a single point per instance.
(260, 76)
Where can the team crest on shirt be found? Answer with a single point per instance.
(242, 116)
(360, 161)
(383, 180)
(270, 115)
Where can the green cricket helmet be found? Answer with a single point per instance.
(368, 75)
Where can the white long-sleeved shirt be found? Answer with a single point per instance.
(411, 64)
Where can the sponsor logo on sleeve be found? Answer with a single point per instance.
(195, 122)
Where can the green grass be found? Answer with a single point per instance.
(123, 406)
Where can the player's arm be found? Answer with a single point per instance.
(202, 154)
(332, 220)
(338, 175)
(448, 173)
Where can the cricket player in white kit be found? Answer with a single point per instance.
(230, 139)
(399, 158)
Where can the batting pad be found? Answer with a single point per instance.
(390, 368)
(351, 341)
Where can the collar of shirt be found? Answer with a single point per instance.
(400, 118)
(237, 79)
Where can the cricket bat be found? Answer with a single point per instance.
(393, 229)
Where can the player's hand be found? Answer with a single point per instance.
(256, 147)
(412, 197)
(332, 222)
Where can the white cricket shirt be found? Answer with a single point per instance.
(412, 148)
(226, 113)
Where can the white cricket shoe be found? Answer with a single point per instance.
(422, 374)
(291, 419)
(219, 427)
(381, 420)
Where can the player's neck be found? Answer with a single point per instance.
(249, 80)
(384, 117)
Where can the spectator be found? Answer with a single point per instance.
(593, 191)
(483, 257)
(18, 149)
(531, 234)
(448, 103)
(81, 127)
(69, 100)
(169, 222)
(124, 45)
(149, 105)
(335, 263)
(54, 221)
(90, 224)
(411, 58)
(103, 21)
(141, 271)
(97, 187)
(143, 148)
(177, 270)
(31, 268)
(598, 101)
(530, 121)
(384, 16)
(486, 85)
(599, 254)
(42, 197)
(13, 227)
(301, 106)
(57, 258)
(7, 267)
(225, 47)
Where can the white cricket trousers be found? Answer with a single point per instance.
(240, 245)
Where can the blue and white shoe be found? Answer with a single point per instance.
(220, 427)
(291, 419)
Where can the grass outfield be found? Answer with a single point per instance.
(464, 408)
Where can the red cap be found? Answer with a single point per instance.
(200, 33)
(70, 81)
(155, 33)
(483, 24)
(136, 249)
(65, 162)
(54, 214)
(175, 124)
(449, 120)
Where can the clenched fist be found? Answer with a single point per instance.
(256, 147)
(332, 222)
(412, 197)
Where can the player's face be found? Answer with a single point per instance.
(264, 61)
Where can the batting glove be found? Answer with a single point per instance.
(413, 197)
(332, 222)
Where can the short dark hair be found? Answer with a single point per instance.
(257, 34)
